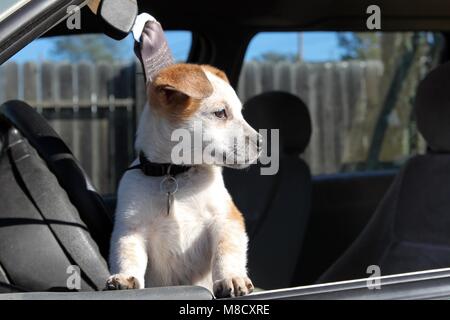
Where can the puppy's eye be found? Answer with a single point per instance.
(221, 114)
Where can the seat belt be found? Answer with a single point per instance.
(67, 228)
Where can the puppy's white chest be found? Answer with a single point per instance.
(178, 241)
(179, 245)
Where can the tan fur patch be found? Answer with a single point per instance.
(227, 244)
(93, 5)
(217, 72)
(236, 215)
(178, 89)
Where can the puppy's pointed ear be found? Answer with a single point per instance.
(181, 81)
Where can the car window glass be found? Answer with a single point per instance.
(359, 88)
(91, 89)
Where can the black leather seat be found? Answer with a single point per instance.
(65, 167)
(51, 218)
(410, 230)
(276, 207)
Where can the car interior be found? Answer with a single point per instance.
(311, 231)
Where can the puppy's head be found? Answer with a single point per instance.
(200, 100)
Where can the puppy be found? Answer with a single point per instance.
(201, 238)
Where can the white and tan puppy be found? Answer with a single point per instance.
(203, 240)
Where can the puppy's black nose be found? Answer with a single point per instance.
(259, 142)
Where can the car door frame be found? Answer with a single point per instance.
(36, 17)
(31, 21)
(420, 285)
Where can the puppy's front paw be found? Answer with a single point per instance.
(121, 282)
(232, 287)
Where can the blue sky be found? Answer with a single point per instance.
(317, 46)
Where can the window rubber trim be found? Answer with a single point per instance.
(419, 285)
(31, 21)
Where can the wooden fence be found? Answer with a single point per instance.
(338, 96)
(94, 107)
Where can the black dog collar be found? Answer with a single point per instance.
(158, 169)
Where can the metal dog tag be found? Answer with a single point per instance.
(169, 202)
(169, 186)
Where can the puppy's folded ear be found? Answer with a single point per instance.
(217, 72)
(181, 80)
(177, 90)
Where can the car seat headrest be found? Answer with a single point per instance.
(284, 111)
(432, 108)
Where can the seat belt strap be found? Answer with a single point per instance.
(67, 228)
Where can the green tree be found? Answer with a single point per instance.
(89, 48)
(271, 56)
(360, 46)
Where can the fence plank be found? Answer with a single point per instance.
(313, 103)
(111, 76)
(282, 76)
(100, 139)
(30, 82)
(66, 93)
(344, 122)
(252, 79)
(123, 121)
(85, 83)
(267, 77)
(10, 83)
(301, 89)
(328, 119)
(48, 93)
